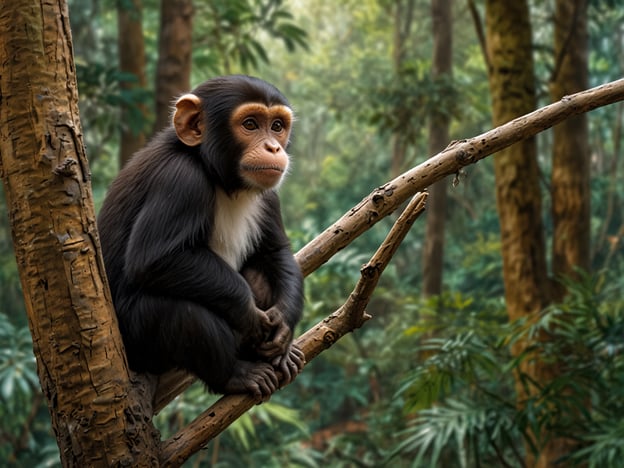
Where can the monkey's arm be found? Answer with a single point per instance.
(281, 286)
(274, 260)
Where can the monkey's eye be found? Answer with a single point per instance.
(277, 126)
(250, 124)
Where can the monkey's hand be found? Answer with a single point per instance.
(290, 364)
(278, 340)
(257, 328)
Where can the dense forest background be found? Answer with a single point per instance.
(431, 379)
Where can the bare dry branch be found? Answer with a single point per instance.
(323, 335)
(380, 203)
(385, 199)
(351, 315)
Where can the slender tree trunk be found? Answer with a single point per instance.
(97, 415)
(570, 167)
(511, 77)
(439, 122)
(570, 173)
(131, 48)
(403, 21)
(173, 72)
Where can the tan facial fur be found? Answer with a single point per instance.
(264, 133)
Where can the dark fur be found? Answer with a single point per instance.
(179, 304)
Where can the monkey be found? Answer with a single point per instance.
(199, 265)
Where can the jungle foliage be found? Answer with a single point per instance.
(426, 382)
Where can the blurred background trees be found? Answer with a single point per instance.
(434, 379)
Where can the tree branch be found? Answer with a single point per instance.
(380, 203)
(385, 199)
(346, 319)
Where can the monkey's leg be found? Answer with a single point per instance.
(163, 333)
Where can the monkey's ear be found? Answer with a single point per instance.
(187, 120)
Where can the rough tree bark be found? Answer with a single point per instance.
(512, 86)
(173, 71)
(438, 128)
(570, 171)
(131, 47)
(99, 417)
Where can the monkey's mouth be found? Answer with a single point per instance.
(264, 176)
(263, 169)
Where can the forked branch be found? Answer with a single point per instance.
(380, 203)
(323, 335)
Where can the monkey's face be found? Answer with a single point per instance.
(243, 138)
(263, 133)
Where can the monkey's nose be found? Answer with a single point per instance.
(272, 146)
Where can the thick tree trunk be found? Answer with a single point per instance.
(509, 50)
(439, 122)
(570, 172)
(131, 48)
(173, 72)
(517, 174)
(98, 417)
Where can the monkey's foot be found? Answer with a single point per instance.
(290, 364)
(257, 378)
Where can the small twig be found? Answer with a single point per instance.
(347, 318)
(476, 18)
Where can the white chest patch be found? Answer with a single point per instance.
(236, 228)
